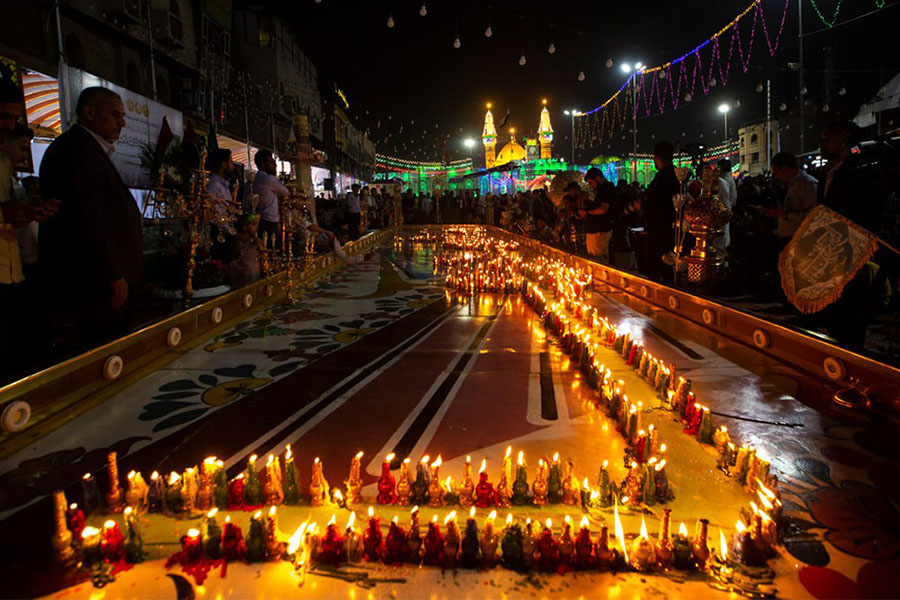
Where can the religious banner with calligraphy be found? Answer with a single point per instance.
(823, 256)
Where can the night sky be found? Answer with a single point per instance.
(411, 76)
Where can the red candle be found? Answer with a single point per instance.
(75, 520)
(396, 549)
(484, 492)
(584, 547)
(632, 354)
(434, 544)
(233, 547)
(549, 549)
(372, 538)
(640, 446)
(191, 547)
(331, 547)
(112, 546)
(386, 484)
(236, 493)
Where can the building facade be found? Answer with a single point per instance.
(754, 149)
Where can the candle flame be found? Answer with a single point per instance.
(351, 520)
(272, 511)
(594, 495)
(556, 457)
(316, 461)
(257, 514)
(662, 448)
(288, 454)
(541, 462)
(371, 512)
(395, 520)
(209, 460)
(212, 513)
(765, 490)
(270, 460)
(434, 519)
(89, 532)
(228, 518)
(483, 465)
(492, 516)
(338, 496)
(624, 499)
(252, 458)
(548, 523)
(468, 460)
(450, 517)
(333, 519)
(661, 465)
(406, 461)
(521, 458)
(437, 462)
(414, 510)
(652, 461)
(508, 451)
(359, 455)
(220, 464)
(294, 542)
(723, 545)
(193, 533)
(620, 533)
(447, 484)
(765, 501)
(128, 510)
(173, 478)
(390, 457)
(682, 530)
(472, 513)
(568, 520)
(508, 519)
(74, 506)
(739, 525)
(634, 464)
(425, 459)
(130, 475)
(605, 463)
(754, 507)
(153, 476)
(586, 485)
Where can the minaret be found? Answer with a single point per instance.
(545, 132)
(489, 137)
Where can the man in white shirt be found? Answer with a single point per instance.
(354, 211)
(269, 189)
(801, 195)
(728, 196)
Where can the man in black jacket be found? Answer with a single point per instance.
(659, 212)
(92, 248)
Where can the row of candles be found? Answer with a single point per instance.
(582, 332)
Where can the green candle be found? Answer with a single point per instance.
(253, 486)
(554, 481)
(520, 485)
(289, 483)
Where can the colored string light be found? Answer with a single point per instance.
(665, 87)
(879, 4)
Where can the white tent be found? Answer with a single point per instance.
(887, 98)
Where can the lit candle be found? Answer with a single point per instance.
(191, 548)
(156, 493)
(664, 551)
(706, 431)
(699, 547)
(451, 540)
(212, 535)
(273, 488)
(331, 547)
(318, 486)
(91, 555)
(174, 498)
(404, 485)
(643, 555)
(604, 486)
(548, 549)
(540, 485)
(489, 541)
(414, 537)
(233, 547)
(354, 480)
(134, 540)
(136, 494)
(435, 491)
(256, 538)
(89, 493)
(471, 544)
(567, 543)
(520, 485)
(433, 544)
(421, 484)
(396, 550)
(352, 540)
(289, 484)
(504, 491)
(681, 549)
(584, 546)
(253, 492)
(372, 538)
(114, 496)
(386, 485)
(569, 484)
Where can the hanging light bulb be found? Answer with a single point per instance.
(609, 63)
(580, 75)
(825, 108)
(803, 91)
(552, 48)
(457, 43)
(488, 32)
(701, 135)
(423, 11)
(390, 21)
(759, 87)
(652, 136)
(713, 82)
(782, 107)
(737, 103)
(687, 97)
(522, 61)
(662, 74)
(842, 91)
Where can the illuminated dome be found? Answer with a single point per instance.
(511, 151)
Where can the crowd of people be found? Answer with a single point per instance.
(71, 240)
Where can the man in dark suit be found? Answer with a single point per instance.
(659, 213)
(92, 248)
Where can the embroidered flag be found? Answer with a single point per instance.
(825, 253)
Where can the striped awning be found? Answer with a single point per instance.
(42, 104)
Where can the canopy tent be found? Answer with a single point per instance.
(887, 98)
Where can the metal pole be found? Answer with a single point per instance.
(63, 79)
(634, 121)
(800, 89)
(152, 59)
(768, 124)
(246, 118)
(726, 125)
(573, 138)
